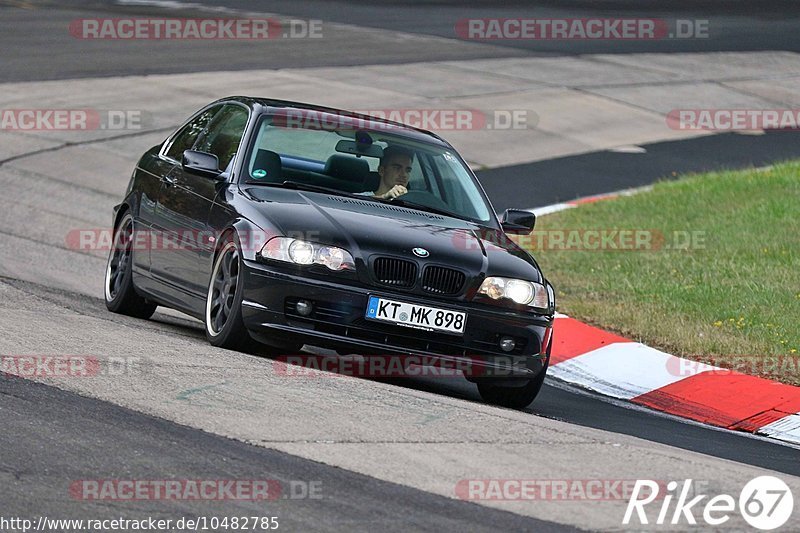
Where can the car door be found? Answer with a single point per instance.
(185, 202)
(169, 165)
(148, 177)
(150, 174)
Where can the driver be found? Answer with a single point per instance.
(394, 168)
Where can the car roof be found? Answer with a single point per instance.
(271, 105)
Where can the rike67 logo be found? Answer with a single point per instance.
(765, 503)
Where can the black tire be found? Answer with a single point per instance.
(515, 397)
(120, 295)
(223, 317)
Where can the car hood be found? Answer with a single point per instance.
(367, 228)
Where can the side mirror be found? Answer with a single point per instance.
(201, 163)
(517, 221)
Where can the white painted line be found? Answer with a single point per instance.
(624, 370)
(548, 209)
(629, 149)
(786, 429)
(555, 208)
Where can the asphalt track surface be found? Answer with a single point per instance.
(566, 178)
(733, 26)
(36, 47)
(51, 437)
(114, 440)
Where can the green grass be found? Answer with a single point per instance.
(736, 293)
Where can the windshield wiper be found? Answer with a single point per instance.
(422, 207)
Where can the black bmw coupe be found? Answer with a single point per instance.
(291, 224)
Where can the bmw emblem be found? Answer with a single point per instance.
(421, 252)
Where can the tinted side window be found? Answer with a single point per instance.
(186, 138)
(223, 135)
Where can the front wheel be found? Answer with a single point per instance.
(512, 397)
(120, 295)
(224, 324)
(515, 397)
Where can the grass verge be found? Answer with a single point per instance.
(706, 267)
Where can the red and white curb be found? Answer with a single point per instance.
(620, 368)
(614, 366)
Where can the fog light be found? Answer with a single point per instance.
(507, 344)
(304, 307)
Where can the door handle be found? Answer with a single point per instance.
(170, 179)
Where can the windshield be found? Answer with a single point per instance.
(333, 153)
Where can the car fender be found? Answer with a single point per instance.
(251, 237)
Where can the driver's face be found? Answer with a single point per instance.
(395, 171)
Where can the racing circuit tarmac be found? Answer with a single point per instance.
(387, 455)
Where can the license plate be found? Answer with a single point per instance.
(415, 316)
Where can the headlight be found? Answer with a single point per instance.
(333, 258)
(516, 290)
(307, 253)
(301, 252)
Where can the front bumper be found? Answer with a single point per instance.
(337, 322)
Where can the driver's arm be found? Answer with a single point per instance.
(394, 192)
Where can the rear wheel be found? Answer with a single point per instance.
(120, 295)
